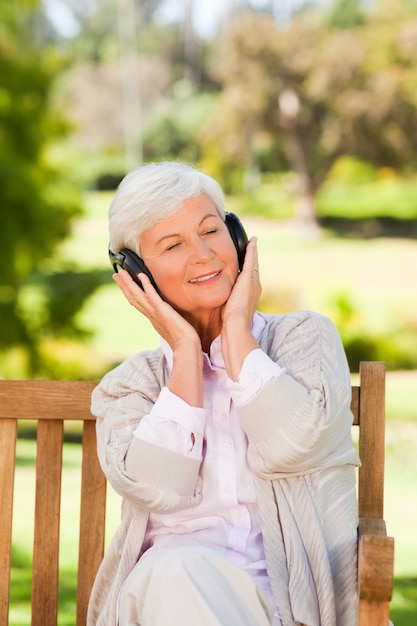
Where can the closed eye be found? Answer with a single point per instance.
(172, 246)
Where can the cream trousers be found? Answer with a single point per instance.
(192, 586)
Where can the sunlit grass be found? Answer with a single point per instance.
(401, 396)
(404, 602)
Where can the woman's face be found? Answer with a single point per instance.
(192, 258)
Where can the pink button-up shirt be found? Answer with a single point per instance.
(227, 517)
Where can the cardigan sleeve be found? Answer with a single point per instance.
(153, 477)
(301, 421)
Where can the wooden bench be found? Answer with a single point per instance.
(52, 402)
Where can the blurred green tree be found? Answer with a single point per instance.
(316, 91)
(345, 14)
(39, 200)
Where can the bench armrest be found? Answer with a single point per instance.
(375, 561)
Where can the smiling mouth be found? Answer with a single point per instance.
(203, 279)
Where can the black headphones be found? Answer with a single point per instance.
(130, 261)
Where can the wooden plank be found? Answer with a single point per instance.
(92, 521)
(47, 516)
(46, 399)
(8, 433)
(373, 613)
(376, 565)
(372, 439)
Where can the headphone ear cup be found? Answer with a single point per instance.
(130, 261)
(238, 235)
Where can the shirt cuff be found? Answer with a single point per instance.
(172, 407)
(170, 424)
(257, 370)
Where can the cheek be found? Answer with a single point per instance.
(166, 275)
(232, 263)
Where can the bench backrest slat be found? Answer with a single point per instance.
(372, 440)
(92, 521)
(46, 399)
(8, 434)
(47, 518)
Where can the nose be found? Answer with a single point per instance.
(201, 251)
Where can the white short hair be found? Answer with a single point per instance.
(152, 193)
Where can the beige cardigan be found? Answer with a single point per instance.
(301, 453)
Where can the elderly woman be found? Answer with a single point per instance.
(230, 442)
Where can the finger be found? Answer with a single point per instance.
(123, 281)
(133, 293)
(130, 286)
(251, 264)
(251, 256)
(147, 285)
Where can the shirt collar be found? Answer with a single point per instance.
(215, 359)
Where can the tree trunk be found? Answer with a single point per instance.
(305, 204)
(306, 211)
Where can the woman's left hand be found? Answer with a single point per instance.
(238, 312)
(245, 294)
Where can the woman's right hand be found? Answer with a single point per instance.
(164, 318)
(186, 378)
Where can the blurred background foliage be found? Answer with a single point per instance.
(306, 113)
(307, 117)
